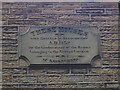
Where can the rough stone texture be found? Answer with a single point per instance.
(18, 16)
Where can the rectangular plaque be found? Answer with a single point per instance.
(59, 44)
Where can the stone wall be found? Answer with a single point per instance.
(18, 17)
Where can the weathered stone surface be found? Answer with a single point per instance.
(42, 16)
(7, 48)
(9, 35)
(26, 22)
(9, 56)
(4, 22)
(112, 11)
(110, 77)
(10, 64)
(61, 78)
(14, 16)
(110, 71)
(34, 10)
(109, 35)
(25, 79)
(40, 5)
(87, 10)
(7, 79)
(81, 52)
(18, 10)
(75, 16)
(110, 62)
(9, 28)
(104, 17)
(38, 72)
(79, 71)
(58, 11)
(113, 86)
(5, 11)
(96, 70)
(57, 71)
(14, 5)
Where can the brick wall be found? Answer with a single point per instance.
(18, 17)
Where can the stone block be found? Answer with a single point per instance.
(110, 71)
(38, 72)
(79, 71)
(14, 16)
(42, 16)
(9, 35)
(8, 48)
(116, 86)
(7, 71)
(112, 11)
(57, 71)
(9, 28)
(18, 11)
(24, 79)
(5, 11)
(104, 17)
(10, 64)
(34, 10)
(4, 22)
(96, 70)
(109, 35)
(75, 16)
(111, 61)
(40, 5)
(19, 71)
(7, 79)
(26, 22)
(90, 11)
(14, 5)
(58, 11)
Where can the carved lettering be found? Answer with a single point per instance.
(59, 45)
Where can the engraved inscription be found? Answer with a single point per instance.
(59, 45)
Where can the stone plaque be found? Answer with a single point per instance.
(59, 45)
